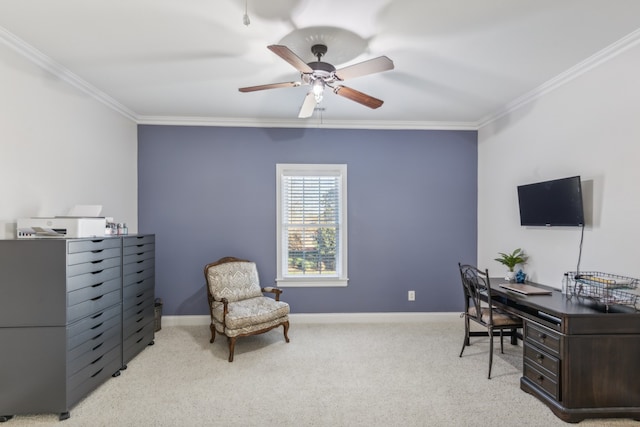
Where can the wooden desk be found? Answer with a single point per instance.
(579, 360)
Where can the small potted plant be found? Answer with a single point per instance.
(511, 260)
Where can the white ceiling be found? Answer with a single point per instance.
(458, 63)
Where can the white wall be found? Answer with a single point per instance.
(588, 127)
(60, 147)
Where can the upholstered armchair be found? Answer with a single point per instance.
(237, 304)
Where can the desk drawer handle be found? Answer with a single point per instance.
(542, 337)
(540, 379)
(540, 358)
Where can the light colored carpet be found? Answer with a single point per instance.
(354, 374)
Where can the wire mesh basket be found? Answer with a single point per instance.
(605, 288)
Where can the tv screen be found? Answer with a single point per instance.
(552, 203)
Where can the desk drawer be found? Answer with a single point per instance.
(542, 379)
(541, 360)
(542, 337)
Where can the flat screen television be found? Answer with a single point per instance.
(552, 203)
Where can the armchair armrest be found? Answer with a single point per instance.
(273, 290)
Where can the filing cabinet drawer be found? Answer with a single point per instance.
(100, 375)
(138, 254)
(94, 305)
(542, 337)
(542, 380)
(96, 367)
(96, 351)
(90, 327)
(93, 291)
(138, 267)
(93, 245)
(137, 317)
(90, 279)
(541, 360)
(93, 266)
(139, 240)
(137, 277)
(92, 256)
(133, 299)
(96, 341)
(137, 341)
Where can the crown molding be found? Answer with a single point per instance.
(322, 124)
(565, 77)
(45, 62)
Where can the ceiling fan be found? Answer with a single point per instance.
(320, 75)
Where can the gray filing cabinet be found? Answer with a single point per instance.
(138, 284)
(61, 320)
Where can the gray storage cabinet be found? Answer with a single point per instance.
(61, 321)
(138, 271)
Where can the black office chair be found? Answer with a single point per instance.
(478, 307)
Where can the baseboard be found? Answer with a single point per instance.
(326, 318)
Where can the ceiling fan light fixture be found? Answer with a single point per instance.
(318, 89)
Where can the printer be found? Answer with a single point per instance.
(61, 226)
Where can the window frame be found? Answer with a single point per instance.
(341, 277)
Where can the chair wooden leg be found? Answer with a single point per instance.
(232, 347)
(501, 343)
(286, 330)
(213, 332)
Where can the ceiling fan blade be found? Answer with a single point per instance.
(376, 65)
(269, 86)
(288, 55)
(308, 106)
(357, 96)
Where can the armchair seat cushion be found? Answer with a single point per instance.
(250, 312)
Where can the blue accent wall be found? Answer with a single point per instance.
(209, 192)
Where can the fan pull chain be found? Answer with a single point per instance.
(245, 19)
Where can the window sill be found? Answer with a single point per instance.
(311, 283)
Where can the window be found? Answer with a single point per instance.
(312, 225)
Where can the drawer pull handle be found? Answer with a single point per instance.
(140, 281)
(138, 304)
(140, 311)
(97, 298)
(97, 347)
(97, 336)
(140, 294)
(97, 272)
(97, 373)
(97, 251)
(98, 325)
(140, 272)
(97, 284)
(140, 253)
(140, 262)
(139, 330)
(140, 320)
(98, 241)
(98, 261)
(97, 315)
(539, 358)
(540, 379)
(542, 337)
(139, 340)
(97, 360)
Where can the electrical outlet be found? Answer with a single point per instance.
(412, 295)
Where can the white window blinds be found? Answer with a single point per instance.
(311, 224)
